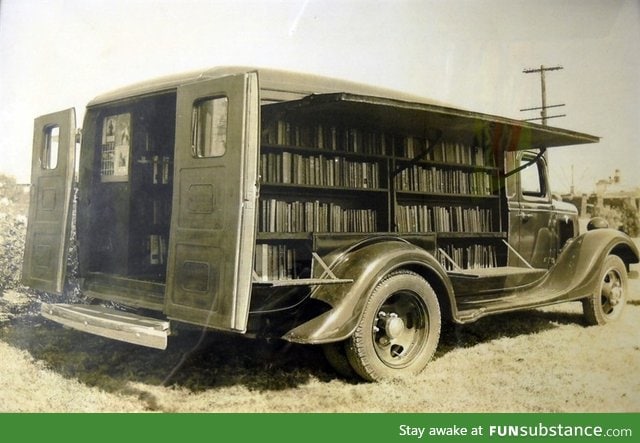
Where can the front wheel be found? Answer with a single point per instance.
(607, 302)
(399, 329)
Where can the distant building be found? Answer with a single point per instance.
(611, 192)
(608, 193)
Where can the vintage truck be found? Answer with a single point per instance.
(311, 210)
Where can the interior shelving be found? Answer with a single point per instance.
(130, 202)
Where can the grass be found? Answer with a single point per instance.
(533, 361)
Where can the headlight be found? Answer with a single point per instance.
(597, 223)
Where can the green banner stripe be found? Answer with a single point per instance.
(325, 428)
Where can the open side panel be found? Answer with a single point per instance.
(52, 166)
(502, 134)
(213, 219)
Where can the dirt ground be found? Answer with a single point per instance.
(542, 360)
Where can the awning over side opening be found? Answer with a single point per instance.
(432, 121)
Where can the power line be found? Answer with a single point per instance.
(543, 90)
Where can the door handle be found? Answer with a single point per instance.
(524, 216)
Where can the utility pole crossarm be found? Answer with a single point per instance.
(543, 113)
(542, 68)
(540, 107)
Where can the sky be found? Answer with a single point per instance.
(56, 54)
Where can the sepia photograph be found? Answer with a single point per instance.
(320, 206)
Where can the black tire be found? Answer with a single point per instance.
(607, 302)
(399, 329)
(336, 355)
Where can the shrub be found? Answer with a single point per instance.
(629, 218)
(9, 190)
(13, 229)
(623, 217)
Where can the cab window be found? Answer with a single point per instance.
(533, 178)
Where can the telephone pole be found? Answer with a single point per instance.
(543, 88)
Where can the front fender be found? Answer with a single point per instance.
(577, 270)
(366, 264)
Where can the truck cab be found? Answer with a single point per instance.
(539, 224)
(312, 210)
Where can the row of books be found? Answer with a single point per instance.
(285, 167)
(423, 218)
(446, 152)
(314, 216)
(348, 139)
(325, 136)
(469, 257)
(447, 181)
(275, 262)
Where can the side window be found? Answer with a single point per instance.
(209, 127)
(533, 179)
(49, 153)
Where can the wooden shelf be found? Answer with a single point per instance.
(281, 236)
(448, 197)
(310, 150)
(447, 165)
(270, 186)
(471, 235)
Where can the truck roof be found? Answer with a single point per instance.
(313, 93)
(275, 85)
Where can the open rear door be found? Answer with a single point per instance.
(52, 167)
(209, 269)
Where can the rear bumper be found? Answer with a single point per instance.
(109, 323)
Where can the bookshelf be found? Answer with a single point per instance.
(452, 190)
(321, 176)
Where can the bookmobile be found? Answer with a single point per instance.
(307, 209)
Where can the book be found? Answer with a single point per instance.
(275, 262)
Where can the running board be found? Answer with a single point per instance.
(109, 323)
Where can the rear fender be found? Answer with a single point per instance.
(367, 264)
(577, 270)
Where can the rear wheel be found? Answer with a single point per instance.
(607, 303)
(399, 329)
